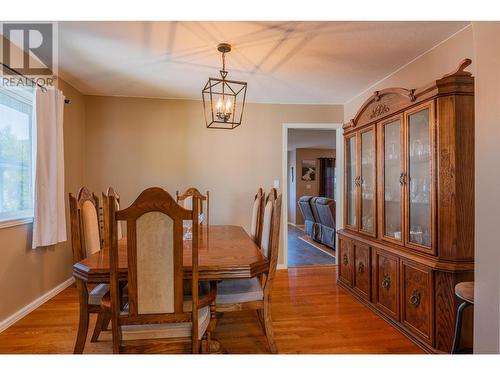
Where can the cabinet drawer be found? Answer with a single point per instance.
(417, 300)
(386, 283)
(361, 281)
(345, 260)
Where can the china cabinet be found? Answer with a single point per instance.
(408, 232)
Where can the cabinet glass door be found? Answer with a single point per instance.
(392, 180)
(351, 182)
(419, 177)
(367, 182)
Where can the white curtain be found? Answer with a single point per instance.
(49, 225)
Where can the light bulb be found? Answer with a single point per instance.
(219, 105)
(228, 106)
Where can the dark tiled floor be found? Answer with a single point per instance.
(300, 253)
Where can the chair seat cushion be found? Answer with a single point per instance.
(167, 330)
(97, 294)
(238, 291)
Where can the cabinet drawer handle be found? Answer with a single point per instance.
(346, 260)
(386, 282)
(415, 297)
(361, 267)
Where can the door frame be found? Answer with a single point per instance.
(339, 164)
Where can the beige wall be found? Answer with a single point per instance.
(432, 65)
(135, 143)
(487, 138)
(308, 187)
(27, 274)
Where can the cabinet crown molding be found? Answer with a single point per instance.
(460, 70)
(386, 102)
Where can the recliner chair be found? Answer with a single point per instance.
(316, 235)
(305, 208)
(326, 212)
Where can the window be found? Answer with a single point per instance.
(16, 154)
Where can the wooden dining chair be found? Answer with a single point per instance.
(159, 317)
(86, 240)
(105, 197)
(186, 199)
(110, 192)
(257, 216)
(255, 294)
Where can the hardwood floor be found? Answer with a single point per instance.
(301, 253)
(311, 314)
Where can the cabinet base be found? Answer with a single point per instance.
(422, 345)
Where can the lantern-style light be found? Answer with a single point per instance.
(223, 100)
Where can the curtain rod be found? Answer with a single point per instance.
(66, 101)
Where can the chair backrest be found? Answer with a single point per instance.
(186, 199)
(155, 249)
(314, 209)
(305, 208)
(84, 220)
(271, 226)
(257, 215)
(326, 211)
(105, 197)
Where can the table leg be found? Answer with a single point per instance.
(83, 324)
(214, 346)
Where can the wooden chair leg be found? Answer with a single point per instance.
(99, 324)
(83, 324)
(105, 324)
(268, 327)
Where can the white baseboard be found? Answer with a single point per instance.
(281, 266)
(6, 323)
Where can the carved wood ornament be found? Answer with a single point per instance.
(381, 108)
(389, 100)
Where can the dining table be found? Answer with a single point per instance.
(224, 252)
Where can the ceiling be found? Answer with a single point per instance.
(310, 138)
(283, 62)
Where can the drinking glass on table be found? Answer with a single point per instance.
(188, 233)
(201, 217)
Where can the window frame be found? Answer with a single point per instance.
(25, 96)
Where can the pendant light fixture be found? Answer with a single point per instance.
(223, 100)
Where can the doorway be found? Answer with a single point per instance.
(312, 166)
